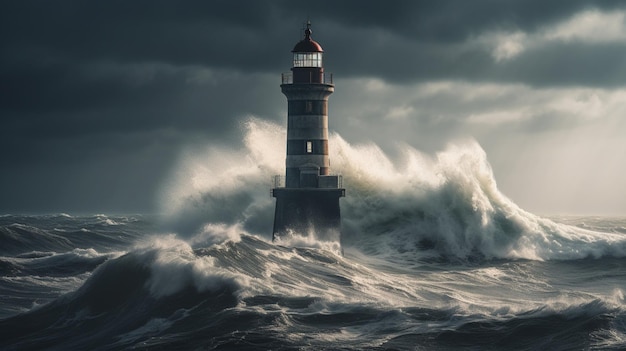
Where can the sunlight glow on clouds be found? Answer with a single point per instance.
(575, 104)
(375, 85)
(490, 103)
(589, 26)
(400, 112)
(497, 117)
(508, 45)
(586, 104)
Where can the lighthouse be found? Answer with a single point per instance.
(307, 196)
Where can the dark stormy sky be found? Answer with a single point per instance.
(99, 98)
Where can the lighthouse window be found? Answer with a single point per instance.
(309, 147)
(307, 59)
(309, 106)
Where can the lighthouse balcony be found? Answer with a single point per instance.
(330, 181)
(312, 78)
(309, 181)
(278, 181)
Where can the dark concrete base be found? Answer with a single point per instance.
(305, 211)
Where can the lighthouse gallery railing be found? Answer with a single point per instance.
(333, 181)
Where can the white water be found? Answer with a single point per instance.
(443, 205)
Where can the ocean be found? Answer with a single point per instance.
(432, 256)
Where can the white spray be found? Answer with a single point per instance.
(447, 205)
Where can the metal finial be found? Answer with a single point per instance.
(308, 31)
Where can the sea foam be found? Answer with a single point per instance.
(420, 205)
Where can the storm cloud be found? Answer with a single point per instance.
(99, 99)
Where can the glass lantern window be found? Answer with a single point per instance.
(307, 59)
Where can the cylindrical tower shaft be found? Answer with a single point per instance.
(307, 132)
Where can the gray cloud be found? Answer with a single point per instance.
(99, 96)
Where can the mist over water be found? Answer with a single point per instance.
(218, 185)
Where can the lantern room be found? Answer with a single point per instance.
(307, 60)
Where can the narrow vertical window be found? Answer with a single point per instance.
(309, 147)
(309, 106)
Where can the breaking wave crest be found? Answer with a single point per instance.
(447, 205)
(450, 205)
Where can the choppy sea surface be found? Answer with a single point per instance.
(431, 257)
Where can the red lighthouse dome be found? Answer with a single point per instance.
(307, 44)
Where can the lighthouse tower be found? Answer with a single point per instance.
(307, 197)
